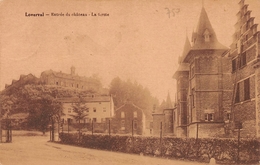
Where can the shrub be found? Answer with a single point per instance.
(223, 150)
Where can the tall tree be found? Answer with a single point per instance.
(80, 111)
(134, 92)
(44, 111)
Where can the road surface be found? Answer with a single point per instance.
(35, 150)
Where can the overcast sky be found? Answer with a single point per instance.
(139, 40)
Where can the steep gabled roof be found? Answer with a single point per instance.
(203, 38)
(186, 49)
(130, 104)
(204, 28)
(183, 67)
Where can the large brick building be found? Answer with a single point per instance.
(202, 87)
(218, 87)
(244, 54)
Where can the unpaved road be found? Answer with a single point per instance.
(35, 150)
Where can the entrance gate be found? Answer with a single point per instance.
(6, 130)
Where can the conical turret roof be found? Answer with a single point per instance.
(186, 49)
(205, 37)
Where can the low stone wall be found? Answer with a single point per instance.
(206, 130)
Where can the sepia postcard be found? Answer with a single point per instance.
(129, 82)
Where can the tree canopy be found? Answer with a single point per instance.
(123, 91)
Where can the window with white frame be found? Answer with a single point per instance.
(135, 114)
(209, 117)
(228, 116)
(122, 114)
(69, 110)
(122, 124)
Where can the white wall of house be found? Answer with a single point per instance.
(97, 111)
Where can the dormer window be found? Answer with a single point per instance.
(206, 35)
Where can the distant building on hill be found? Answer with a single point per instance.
(71, 80)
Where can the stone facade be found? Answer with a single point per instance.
(204, 129)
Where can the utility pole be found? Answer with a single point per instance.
(197, 133)
(238, 145)
(132, 127)
(68, 125)
(92, 127)
(161, 138)
(109, 127)
(160, 132)
(0, 126)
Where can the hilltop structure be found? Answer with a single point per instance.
(71, 80)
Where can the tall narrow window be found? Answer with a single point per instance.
(192, 71)
(228, 116)
(234, 65)
(247, 89)
(243, 59)
(122, 114)
(135, 125)
(237, 98)
(122, 124)
(192, 97)
(135, 114)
